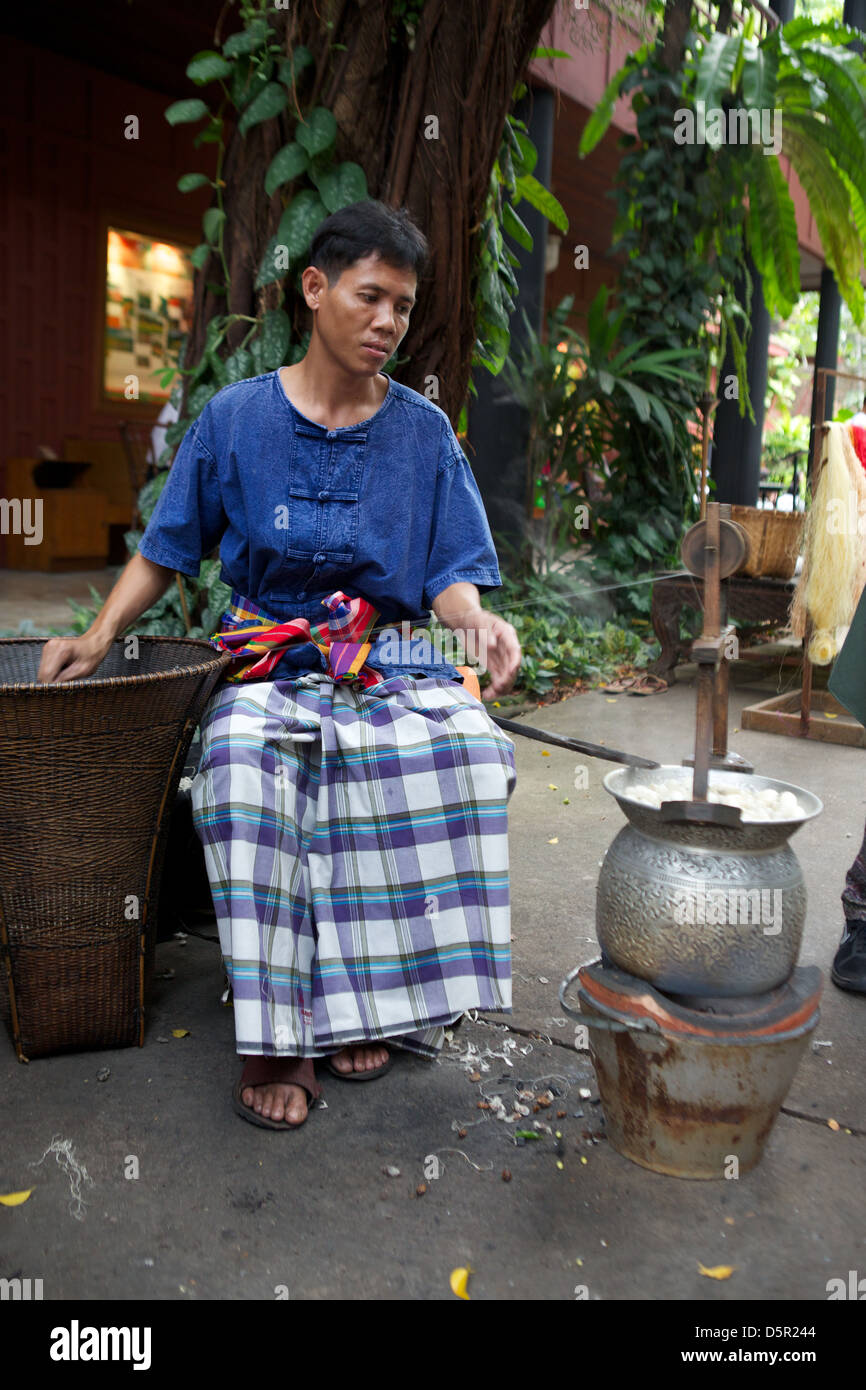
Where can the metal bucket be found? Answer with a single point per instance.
(703, 909)
(686, 1092)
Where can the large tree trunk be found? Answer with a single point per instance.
(678, 16)
(462, 69)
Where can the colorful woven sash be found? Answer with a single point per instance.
(259, 641)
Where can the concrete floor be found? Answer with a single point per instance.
(220, 1209)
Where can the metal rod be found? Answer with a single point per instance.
(593, 750)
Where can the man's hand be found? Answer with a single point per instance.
(498, 650)
(71, 658)
(492, 641)
(74, 658)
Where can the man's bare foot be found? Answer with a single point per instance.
(277, 1100)
(360, 1057)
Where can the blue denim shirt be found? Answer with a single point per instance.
(387, 509)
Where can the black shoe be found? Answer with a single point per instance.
(849, 963)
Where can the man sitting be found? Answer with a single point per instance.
(352, 807)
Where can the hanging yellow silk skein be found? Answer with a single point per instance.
(834, 554)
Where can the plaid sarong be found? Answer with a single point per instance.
(341, 638)
(356, 847)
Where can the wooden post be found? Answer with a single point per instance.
(707, 659)
(707, 403)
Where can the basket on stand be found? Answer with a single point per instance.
(774, 541)
(89, 771)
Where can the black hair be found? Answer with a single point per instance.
(365, 228)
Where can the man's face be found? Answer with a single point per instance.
(365, 316)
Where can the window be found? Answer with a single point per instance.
(148, 307)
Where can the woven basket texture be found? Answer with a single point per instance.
(774, 541)
(89, 772)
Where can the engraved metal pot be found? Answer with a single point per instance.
(702, 909)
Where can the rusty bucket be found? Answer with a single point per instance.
(693, 1093)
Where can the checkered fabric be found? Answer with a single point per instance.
(357, 853)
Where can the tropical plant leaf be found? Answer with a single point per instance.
(858, 205)
(528, 187)
(199, 398)
(799, 91)
(274, 338)
(341, 186)
(239, 365)
(250, 38)
(606, 381)
(269, 102)
(760, 72)
(299, 222)
(715, 69)
(207, 66)
(802, 32)
(527, 157)
(661, 413)
(601, 117)
(771, 229)
(829, 204)
(318, 132)
(840, 138)
(186, 111)
(299, 59)
(597, 313)
(515, 227)
(843, 76)
(211, 135)
(285, 166)
(638, 398)
(273, 265)
(211, 222)
(187, 182)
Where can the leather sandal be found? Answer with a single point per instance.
(290, 1071)
(647, 684)
(358, 1075)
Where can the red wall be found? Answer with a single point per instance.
(64, 166)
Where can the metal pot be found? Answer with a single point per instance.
(702, 909)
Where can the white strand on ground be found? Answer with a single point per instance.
(479, 1168)
(75, 1171)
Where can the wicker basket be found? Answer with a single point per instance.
(89, 771)
(774, 541)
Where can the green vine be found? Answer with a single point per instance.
(252, 78)
(511, 181)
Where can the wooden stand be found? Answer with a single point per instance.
(791, 714)
(713, 549)
(783, 714)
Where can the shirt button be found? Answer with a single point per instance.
(332, 434)
(323, 495)
(318, 558)
(301, 597)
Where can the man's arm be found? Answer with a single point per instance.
(459, 608)
(138, 588)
